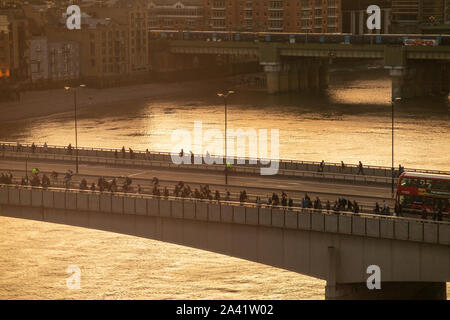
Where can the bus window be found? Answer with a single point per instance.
(422, 183)
(414, 183)
(439, 185)
(405, 201)
(405, 182)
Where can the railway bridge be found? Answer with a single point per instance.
(297, 67)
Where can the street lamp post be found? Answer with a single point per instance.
(392, 105)
(76, 124)
(225, 99)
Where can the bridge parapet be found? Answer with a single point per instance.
(366, 225)
(163, 159)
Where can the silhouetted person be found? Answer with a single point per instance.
(439, 215)
(377, 208)
(424, 214)
(360, 168)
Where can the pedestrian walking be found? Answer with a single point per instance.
(360, 168)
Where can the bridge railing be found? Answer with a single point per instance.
(352, 169)
(364, 205)
(205, 167)
(365, 225)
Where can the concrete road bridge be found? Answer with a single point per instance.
(412, 255)
(297, 67)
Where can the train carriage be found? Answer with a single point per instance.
(321, 38)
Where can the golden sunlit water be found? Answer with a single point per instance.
(350, 122)
(35, 255)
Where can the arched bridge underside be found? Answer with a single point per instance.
(413, 255)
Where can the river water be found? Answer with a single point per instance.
(350, 122)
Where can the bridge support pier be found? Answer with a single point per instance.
(294, 81)
(324, 76)
(388, 291)
(314, 78)
(397, 78)
(284, 78)
(303, 78)
(445, 79)
(273, 78)
(292, 76)
(420, 80)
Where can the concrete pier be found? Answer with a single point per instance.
(420, 80)
(296, 76)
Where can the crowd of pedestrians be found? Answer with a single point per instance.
(183, 190)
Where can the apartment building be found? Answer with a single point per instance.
(176, 14)
(273, 15)
(131, 17)
(103, 47)
(53, 60)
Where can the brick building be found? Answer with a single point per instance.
(315, 16)
(113, 41)
(132, 17)
(13, 43)
(176, 14)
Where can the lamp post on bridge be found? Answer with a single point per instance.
(225, 100)
(75, 90)
(394, 100)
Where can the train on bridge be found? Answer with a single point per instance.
(326, 38)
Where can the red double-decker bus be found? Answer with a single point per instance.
(419, 191)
